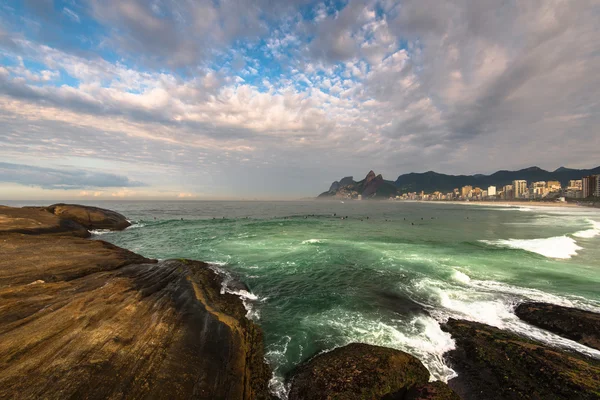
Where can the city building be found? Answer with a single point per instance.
(507, 192)
(590, 185)
(466, 191)
(553, 186)
(491, 191)
(519, 189)
(538, 190)
(575, 184)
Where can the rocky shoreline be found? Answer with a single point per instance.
(83, 318)
(86, 319)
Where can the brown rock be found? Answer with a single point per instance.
(579, 325)
(35, 221)
(431, 391)
(90, 217)
(357, 371)
(87, 319)
(494, 364)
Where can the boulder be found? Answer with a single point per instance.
(578, 325)
(357, 371)
(36, 221)
(431, 391)
(90, 217)
(86, 319)
(495, 364)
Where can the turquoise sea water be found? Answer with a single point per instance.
(386, 275)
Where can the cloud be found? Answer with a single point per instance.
(51, 178)
(268, 96)
(71, 15)
(185, 195)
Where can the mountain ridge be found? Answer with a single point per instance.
(374, 186)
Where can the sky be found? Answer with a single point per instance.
(209, 99)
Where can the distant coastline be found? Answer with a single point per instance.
(508, 203)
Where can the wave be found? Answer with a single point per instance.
(98, 232)
(135, 225)
(420, 336)
(589, 233)
(493, 303)
(553, 247)
(312, 241)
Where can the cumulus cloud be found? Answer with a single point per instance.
(269, 96)
(51, 178)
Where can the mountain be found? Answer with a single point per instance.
(431, 181)
(373, 186)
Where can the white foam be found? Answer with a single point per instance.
(135, 225)
(421, 336)
(460, 277)
(589, 233)
(312, 241)
(553, 247)
(247, 297)
(98, 232)
(276, 355)
(493, 303)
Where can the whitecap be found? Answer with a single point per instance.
(98, 232)
(589, 233)
(460, 277)
(422, 336)
(493, 303)
(553, 247)
(312, 241)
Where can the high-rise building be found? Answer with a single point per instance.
(590, 185)
(465, 191)
(519, 188)
(491, 191)
(508, 192)
(575, 184)
(553, 186)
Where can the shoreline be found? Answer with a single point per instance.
(75, 296)
(512, 203)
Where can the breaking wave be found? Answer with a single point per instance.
(553, 247)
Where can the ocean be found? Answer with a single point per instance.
(324, 274)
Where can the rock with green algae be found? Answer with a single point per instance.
(495, 364)
(357, 371)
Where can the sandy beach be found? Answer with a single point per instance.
(512, 203)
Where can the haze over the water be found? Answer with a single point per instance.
(275, 99)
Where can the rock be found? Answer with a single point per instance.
(494, 364)
(35, 221)
(90, 217)
(357, 371)
(58, 258)
(431, 391)
(334, 186)
(578, 325)
(102, 322)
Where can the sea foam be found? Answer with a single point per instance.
(553, 247)
(493, 303)
(589, 233)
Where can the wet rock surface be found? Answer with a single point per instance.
(578, 325)
(357, 371)
(495, 364)
(87, 319)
